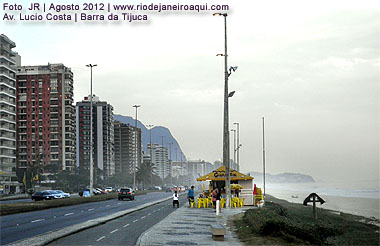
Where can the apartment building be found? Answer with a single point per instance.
(8, 178)
(160, 159)
(128, 144)
(45, 119)
(102, 136)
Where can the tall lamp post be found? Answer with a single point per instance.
(238, 145)
(91, 147)
(151, 156)
(234, 131)
(170, 162)
(136, 157)
(226, 138)
(263, 157)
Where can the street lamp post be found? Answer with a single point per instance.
(136, 157)
(226, 139)
(91, 141)
(234, 131)
(263, 158)
(151, 156)
(238, 145)
(170, 162)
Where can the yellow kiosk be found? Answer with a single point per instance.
(242, 182)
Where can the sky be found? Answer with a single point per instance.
(311, 68)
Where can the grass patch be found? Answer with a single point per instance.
(284, 223)
(22, 207)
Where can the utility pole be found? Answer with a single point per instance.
(234, 131)
(136, 150)
(151, 155)
(170, 162)
(238, 145)
(91, 140)
(263, 157)
(162, 155)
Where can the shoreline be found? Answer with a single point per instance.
(361, 218)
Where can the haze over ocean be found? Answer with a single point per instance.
(358, 198)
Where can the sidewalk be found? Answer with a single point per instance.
(191, 226)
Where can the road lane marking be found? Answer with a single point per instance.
(149, 214)
(126, 225)
(91, 209)
(107, 205)
(100, 238)
(37, 220)
(135, 221)
(142, 217)
(114, 231)
(69, 214)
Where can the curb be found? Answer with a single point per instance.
(48, 237)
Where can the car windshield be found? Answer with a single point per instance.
(125, 190)
(54, 192)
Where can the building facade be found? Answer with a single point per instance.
(128, 142)
(159, 159)
(102, 137)
(8, 178)
(45, 119)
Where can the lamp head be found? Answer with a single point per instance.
(231, 94)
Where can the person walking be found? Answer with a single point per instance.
(218, 197)
(213, 195)
(175, 199)
(190, 195)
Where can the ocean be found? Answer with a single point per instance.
(359, 199)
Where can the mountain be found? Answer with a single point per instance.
(283, 178)
(156, 132)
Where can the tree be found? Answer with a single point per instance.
(145, 173)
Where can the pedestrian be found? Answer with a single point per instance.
(218, 196)
(213, 195)
(190, 195)
(175, 199)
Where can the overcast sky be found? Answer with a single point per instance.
(311, 68)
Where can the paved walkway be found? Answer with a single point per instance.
(191, 226)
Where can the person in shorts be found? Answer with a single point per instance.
(175, 199)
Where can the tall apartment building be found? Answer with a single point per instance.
(8, 178)
(102, 136)
(45, 119)
(126, 138)
(160, 159)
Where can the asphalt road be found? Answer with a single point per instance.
(122, 231)
(24, 225)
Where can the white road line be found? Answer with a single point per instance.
(91, 209)
(114, 231)
(149, 214)
(135, 221)
(69, 214)
(100, 238)
(37, 220)
(142, 217)
(107, 205)
(126, 225)
(119, 203)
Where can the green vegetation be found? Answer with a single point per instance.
(22, 207)
(281, 222)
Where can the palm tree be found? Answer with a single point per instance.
(145, 172)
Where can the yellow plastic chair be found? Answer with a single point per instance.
(209, 200)
(192, 202)
(222, 202)
(201, 201)
(234, 202)
(242, 202)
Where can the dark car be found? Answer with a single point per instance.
(46, 195)
(126, 193)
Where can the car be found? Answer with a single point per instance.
(101, 191)
(108, 189)
(126, 193)
(64, 194)
(46, 195)
(95, 191)
(157, 188)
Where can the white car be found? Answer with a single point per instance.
(108, 189)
